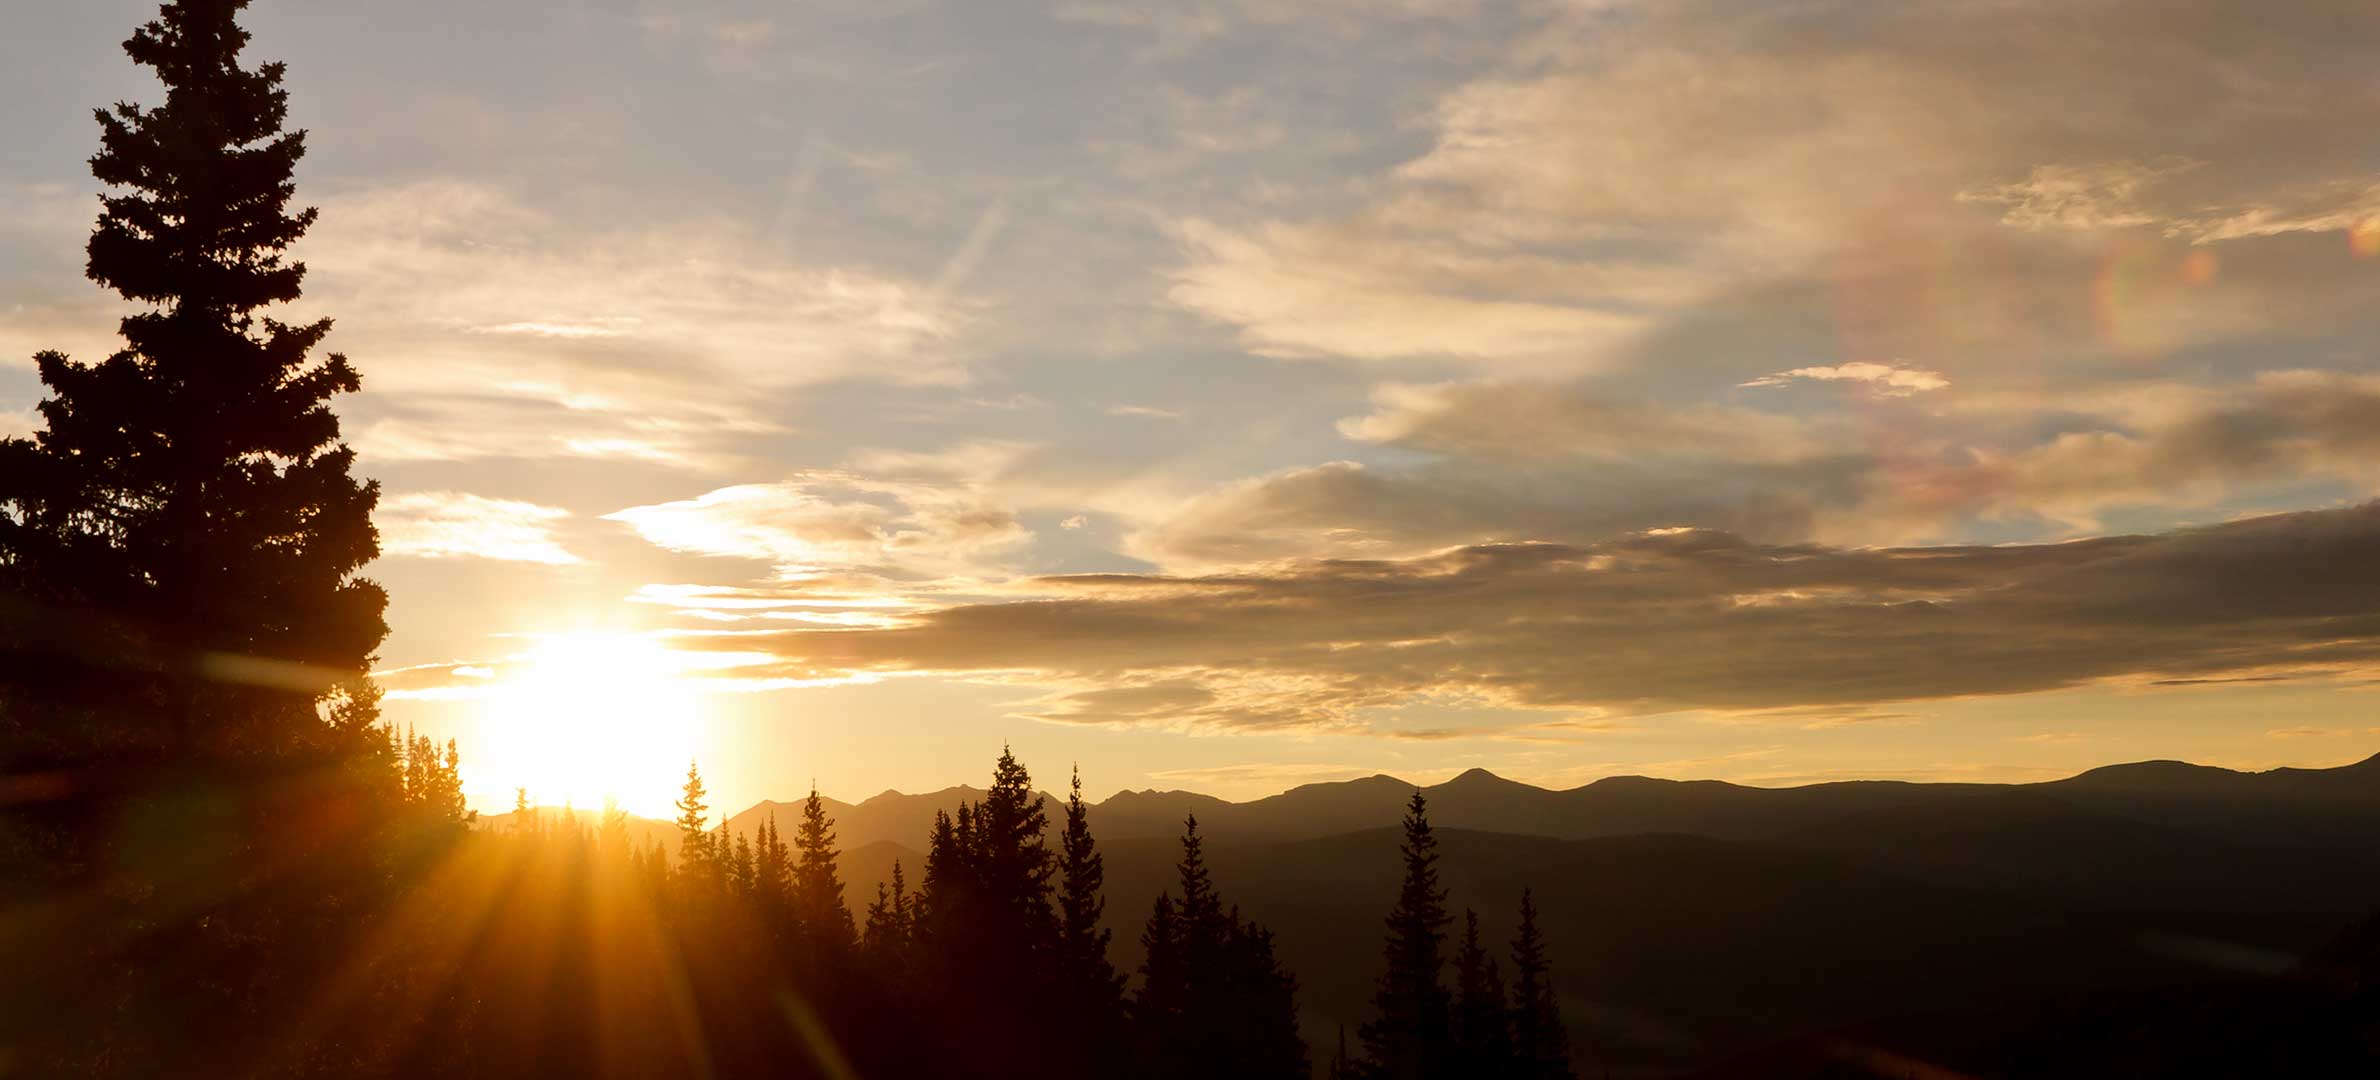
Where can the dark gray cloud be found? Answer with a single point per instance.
(1672, 620)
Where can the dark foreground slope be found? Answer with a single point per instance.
(2321, 1018)
(1675, 952)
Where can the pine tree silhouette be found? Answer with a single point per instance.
(431, 781)
(1160, 1004)
(1407, 1039)
(180, 609)
(818, 886)
(1540, 1047)
(722, 856)
(1198, 920)
(1091, 989)
(612, 838)
(904, 909)
(988, 930)
(1082, 873)
(1482, 1033)
(883, 936)
(1258, 1008)
(696, 860)
(774, 874)
(187, 499)
(743, 871)
(1213, 1000)
(945, 878)
(1012, 858)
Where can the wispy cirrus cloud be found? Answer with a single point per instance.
(491, 327)
(2085, 197)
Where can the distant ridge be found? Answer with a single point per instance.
(2287, 805)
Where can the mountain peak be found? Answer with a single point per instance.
(2162, 773)
(1474, 777)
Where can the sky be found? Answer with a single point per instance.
(1228, 395)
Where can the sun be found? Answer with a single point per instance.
(581, 717)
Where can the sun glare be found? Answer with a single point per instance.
(585, 716)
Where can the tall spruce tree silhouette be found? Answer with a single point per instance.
(987, 945)
(180, 543)
(743, 870)
(1165, 1007)
(189, 494)
(698, 863)
(1482, 1036)
(1540, 1048)
(773, 880)
(1407, 1038)
(1091, 989)
(1214, 999)
(825, 921)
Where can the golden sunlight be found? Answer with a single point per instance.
(589, 715)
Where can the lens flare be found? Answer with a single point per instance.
(2364, 238)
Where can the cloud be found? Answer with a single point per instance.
(1371, 291)
(1178, 28)
(2348, 206)
(1677, 619)
(825, 522)
(2235, 679)
(2085, 197)
(454, 524)
(1519, 421)
(819, 601)
(487, 326)
(1149, 412)
(2319, 732)
(451, 680)
(15, 422)
(1885, 379)
(1628, 173)
(1518, 461)
(529, 424)
(2283, 425)
(1521, 461)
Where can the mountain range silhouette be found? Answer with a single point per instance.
(1702, 921)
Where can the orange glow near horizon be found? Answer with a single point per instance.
(586, 716)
